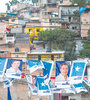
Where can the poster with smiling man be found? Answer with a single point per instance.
(13, 68)
(62, 74)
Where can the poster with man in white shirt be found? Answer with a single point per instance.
(14, 68)
(62, 74)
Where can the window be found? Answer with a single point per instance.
(1, 51)
(39, 57)
(38, 30)
(13, 20)
(67, 27)
(33, 57)
(52, 57)
(69, 19)
(45, 21)
(16, 49)
(1, 38)
(30, 30)
(73, 28)
(57, 56)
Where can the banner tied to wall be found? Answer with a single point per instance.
(68, 78)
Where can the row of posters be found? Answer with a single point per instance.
(68, 76)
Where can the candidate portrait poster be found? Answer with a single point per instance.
(3, 63)
(32, 83)
(62, 74)
(13, 68)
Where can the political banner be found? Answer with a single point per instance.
(43, 88)
(8, 82)
(3, 63)
(86, 84)
(64, 84)
(48, 66)
(79, 88)
(13, 68)
(32, 83)
(34, 65)
(69, 91)
(77, 72)
(66, 90)
(62, 74)
(52, 86)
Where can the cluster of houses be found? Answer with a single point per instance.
(22, 23)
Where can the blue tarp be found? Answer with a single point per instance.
(82, 9)
(11, 14)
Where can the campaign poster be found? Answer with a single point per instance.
(13, 68)
(8, 82)
(34, 65)
(47, 70)
(62, 74)
(43, 88)
(77, 72)
(86, 84)
(32, 83)
(79, 88)
(52, 86)
(3, 63)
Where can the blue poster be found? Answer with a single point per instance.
(62, 70)
(79, 88)
(8, 82)
(3, 62)
(77, 72)
(43, 88)
(34, 65)
(14, 68)
(32, 83)
(86, 84)
(48, 66)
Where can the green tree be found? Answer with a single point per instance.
(8, 6)
(60, 39)
(13, 2)
(86, 45)
(10, 3)
(88, 3)
(81, 3)
(76, 16)
(22, 1)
